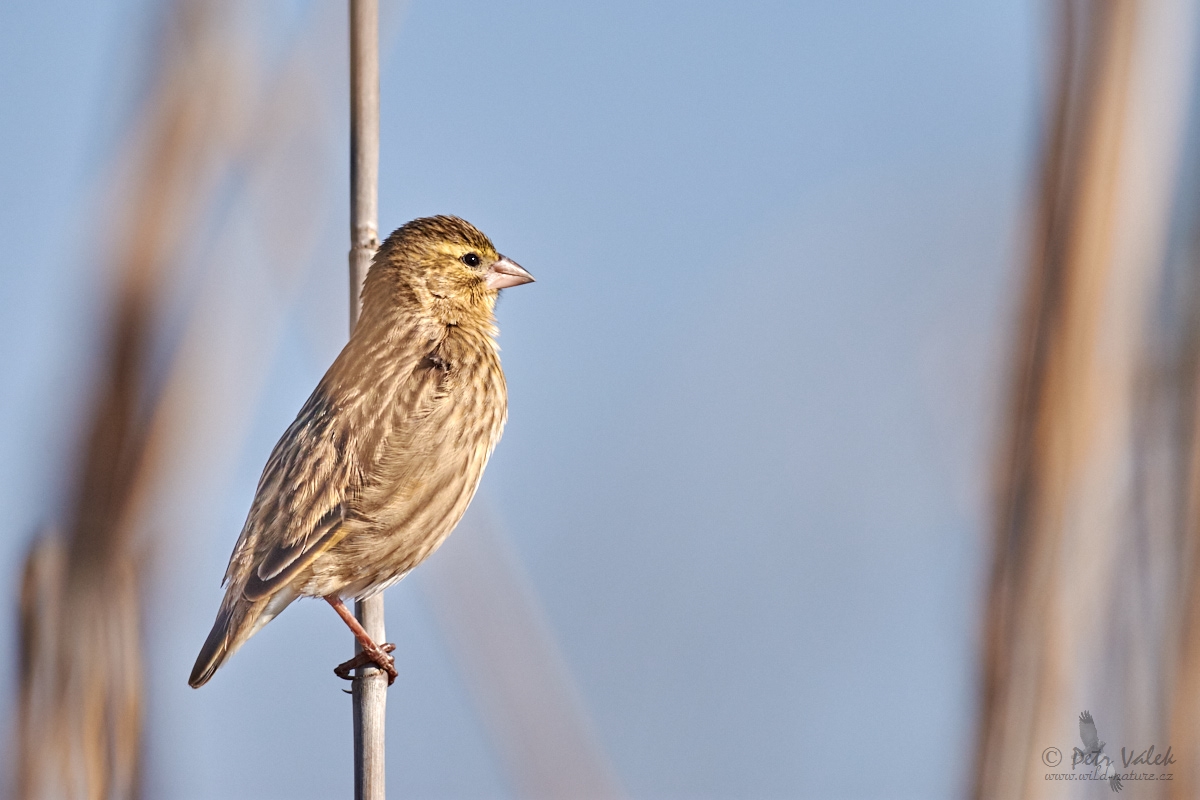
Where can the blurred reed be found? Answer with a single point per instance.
(81, 684)
(522, 687)
(1093, 527)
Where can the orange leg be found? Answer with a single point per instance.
(371, 652)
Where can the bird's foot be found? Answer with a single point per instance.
(375, 654)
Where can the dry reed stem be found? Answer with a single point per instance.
(1073, 506)
(80, 704)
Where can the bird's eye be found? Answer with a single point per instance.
(471, 260)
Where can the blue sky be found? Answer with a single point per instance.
(752, 394)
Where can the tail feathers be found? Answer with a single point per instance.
(235, 623)
(214, 652)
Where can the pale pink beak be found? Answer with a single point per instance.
(505, 273)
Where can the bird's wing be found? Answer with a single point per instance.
(299, 506)
(1087, 732)
(309, 486)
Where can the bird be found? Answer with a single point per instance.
(1095, 748)
(384, 457)
(1089, 735)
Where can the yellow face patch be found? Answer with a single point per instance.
(468, 255)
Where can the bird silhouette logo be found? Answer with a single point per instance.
(1087, 732)
(1093, 752)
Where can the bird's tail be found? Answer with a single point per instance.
(237, 621)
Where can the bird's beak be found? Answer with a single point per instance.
(505, 273)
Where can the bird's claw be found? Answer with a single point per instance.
(377, 656)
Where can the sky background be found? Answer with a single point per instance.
(753, 394)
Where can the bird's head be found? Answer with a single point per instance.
(445, 267)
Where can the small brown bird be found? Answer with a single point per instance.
(385, 456)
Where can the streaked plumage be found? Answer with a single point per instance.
(384, 457)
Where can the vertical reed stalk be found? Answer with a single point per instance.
(370, 684)
(1081, 607)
